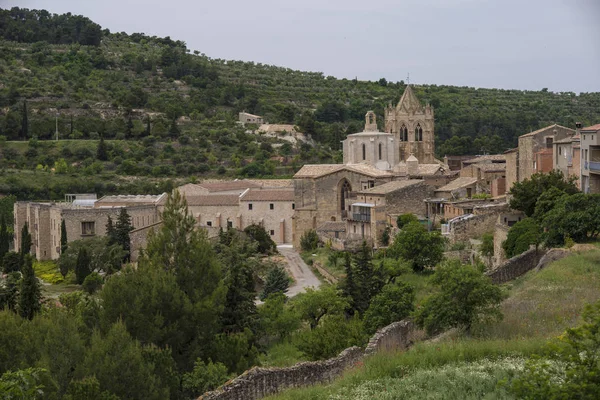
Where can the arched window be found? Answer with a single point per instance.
(404, 133)
(418, 133)
(364, 149)
(380, 151)
(345, 190)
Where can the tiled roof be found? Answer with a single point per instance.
(457, 184)
(370, 133)
(392, 186)
(268, 195)
(491, 167)
(213, 200)
(423, 169)
(318, 170)
(272, 183)
(489, 157)
(332, 226)
(568, 140)
(128, 198)
(593, 128)
(545, 129)
(223, 186)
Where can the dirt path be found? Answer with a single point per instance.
(301, 272)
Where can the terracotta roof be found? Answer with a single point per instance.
(268, 195)
(318, 170)
(592, 128)
(457, 184)
(545, 129)
(128, 198)
(489, 157)
(392, 186)
(272, 183)
(223, 186)
(214, 200)
(335, 226)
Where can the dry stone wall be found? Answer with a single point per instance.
(516, 266)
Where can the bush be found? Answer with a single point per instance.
(277, 282)
(266, 245)
(418, 247)
(331, 337)
(11, 262)
(405, 219)
(309, 240)
(204, 377)
(394, 303)
(520, 236)
(92, 283)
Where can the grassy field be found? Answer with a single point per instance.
(541, 305)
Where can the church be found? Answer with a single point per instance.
(383, 174)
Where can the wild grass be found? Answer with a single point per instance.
(544, 303)
(48, 272)
(420, 365)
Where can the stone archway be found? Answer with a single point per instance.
(344, 189)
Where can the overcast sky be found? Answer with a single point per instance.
(510, 44)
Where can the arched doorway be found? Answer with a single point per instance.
(344, 190)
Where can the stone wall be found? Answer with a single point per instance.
(257, 382)
(471, 227)
(500, 235)
(516, 266)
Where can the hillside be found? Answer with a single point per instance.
(540, 306)
(102, 83)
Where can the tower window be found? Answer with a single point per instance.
(364, 151)
(404, 133)
(380, 151)
(418, 133)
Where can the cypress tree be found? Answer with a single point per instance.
(122, 229)
(277, 282)
(348, 285)
(101, 152)
(30, 294)
(111, 232)
(63, 237)
(368, 281)
(71, 133)
(24, 122)
(239, 310)
(174, 129)
(148, 131)
(82, 266)
(129, 128)
(25, 241)
(4, 238)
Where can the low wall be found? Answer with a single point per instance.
(516, 266)
(468, 228)
(257, 382)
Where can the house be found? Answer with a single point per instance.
(247, 118)
(590, 159)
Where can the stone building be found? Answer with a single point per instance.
(412, 126)
(327, 193)
(273, 209)
(460, 188)
(566, 157)
(84, 217)
(534, 153)
(590, 159)
(247, 118)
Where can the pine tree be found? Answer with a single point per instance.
(30, 294)
(240, 310)
(82, 266)
(368, 281)
(348, 285)
(71, 132)
(63, 237)
(277, 282)
(148, 130)
(24, 122)
(111, 232)
(129, 128)
(101, 152)
(174, 129)
(122, 229)
(4, 238)
(25, 241)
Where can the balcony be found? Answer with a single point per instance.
(360, 217)
(593, 166)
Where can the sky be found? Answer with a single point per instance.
(508, 44)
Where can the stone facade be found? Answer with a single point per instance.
(272, 209)
(44, 223)
(412, 126)
(590, 159)
(566, 157)
(247, 118)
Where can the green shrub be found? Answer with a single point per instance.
(309, 240)
(92, 283)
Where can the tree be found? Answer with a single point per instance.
(570, 370)
(4, 238)
(394, 303)
(129, 128)
(367, 279)
(239, 312)
(64, 242)
(277, 282)
(82, 266)
(575, 216)
(313, 305)
(276, 316)
(101, 152)
(104, 257)
(405, 219)
(111, 233)
(11, 262)
(30, 294)
(173, 128)
(25, 241)
(464, 296)
(204, 377)
(521, 236)
(148, 127)
(327, 340)
(9, 290)
(121, 233)
(24, 122)
(417, 246)
(23, 384)
(92, 283)
(348, 284)
(487, 246)
(525, 194)
(309, 240)
(266, 245)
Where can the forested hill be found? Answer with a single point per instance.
(111, 83)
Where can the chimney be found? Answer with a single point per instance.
(412, 165)
(578, 127)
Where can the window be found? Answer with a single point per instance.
(549, 141)
(403, 133)
(418, 133)
(250, 206)
(271, 206)
(88, 228)
(208, 223)
(272, 232)
(293, 206)
(364, 151)
(380, 151)
(230, 224)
